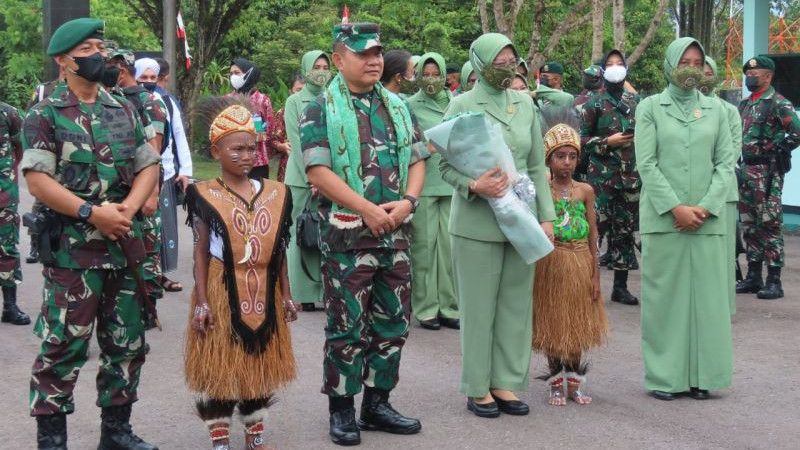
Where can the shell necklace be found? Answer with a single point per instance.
(566, 194)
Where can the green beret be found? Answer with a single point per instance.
(358, 37)
(594, 71)
(70, 34)
(123, 54)
(759, 62)
(553, 67)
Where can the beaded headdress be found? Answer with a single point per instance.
(232, 119)
(561, 135)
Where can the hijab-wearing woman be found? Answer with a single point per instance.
(709, 88)
(304, 264)
(468, 78)
(399, 72)
(243, 77)
(685, 158)
(433, 299)
(493, 283)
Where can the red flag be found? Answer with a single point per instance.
(181, 32)
(345, 15)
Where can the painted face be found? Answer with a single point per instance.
(361, 70)
(236, 153)
(563, 161)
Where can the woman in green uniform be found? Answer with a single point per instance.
(468, 78)
(685, 158)
(432, 297)
(304, 264)
(493, 283)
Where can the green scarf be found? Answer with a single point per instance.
(482, 53)
(343, 139)
(307, 65)
(466, 71)
(443, 97)
(686, 99)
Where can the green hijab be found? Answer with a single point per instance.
(443, 97)
(307, 65)
(466, 71)
(686, 99)
(484, 50)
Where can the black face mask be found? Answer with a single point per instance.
(751, 83)
(90, 68)
(110, 76)
(150, 86)
(544, 80)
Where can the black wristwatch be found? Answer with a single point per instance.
(85, 211)
(414, 202)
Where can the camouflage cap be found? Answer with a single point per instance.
(358, 37)
(70, 34)
(123, 54)
(594, 71)
(759, 62)
(553, 67)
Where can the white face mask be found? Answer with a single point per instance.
(237, 81)
(615, 74)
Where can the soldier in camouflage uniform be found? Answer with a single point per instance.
(592, 84)
(86, 159)
(366, 269)
(770, 131)
(10, 274)
(152, 113)
(607, 124)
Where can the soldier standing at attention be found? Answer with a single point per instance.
(10, 273)
(607, 125)
(770, 131)
(86, 159)
(365, 154)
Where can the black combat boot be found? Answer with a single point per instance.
(116, 432)
(752, 283)
(33, 255)
(620, 293)
(11, 312)
(51, 432)
(343, 428)
(605, 258)
(377, 414)
(772, 288)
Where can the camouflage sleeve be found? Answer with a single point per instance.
(589, 142)
(419, 149)
(14, 130)
(155, 110)
(314, 135)
(144, 155)
(38, 142)
(790, 138)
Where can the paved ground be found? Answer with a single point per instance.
(759, 411)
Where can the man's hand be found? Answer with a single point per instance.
(493, 183)
(110, 220)
(378, 220)
(619, 139)
(688, 218)
(548, 230)
(183, 181)
(150, 205)
(397, 210)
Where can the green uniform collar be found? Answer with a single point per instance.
(63, 97)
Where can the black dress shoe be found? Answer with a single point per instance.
(699, 394)
(377, 414)
(450, 323)
(430, 324)
(511, 407)
(343, 428)
(488, 410)
(661, 395)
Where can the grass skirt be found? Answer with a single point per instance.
(566, 322)
(219, 367)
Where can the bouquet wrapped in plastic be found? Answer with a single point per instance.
(471, 144)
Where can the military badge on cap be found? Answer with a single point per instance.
(753, 62)
(358, 37)
(759, 62)
(546, 68)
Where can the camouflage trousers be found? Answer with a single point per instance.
(10, 272)
(73, 301)
(367, 296)
(151, 266)
(761, 214)
(617, 204)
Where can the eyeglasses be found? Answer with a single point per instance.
(504, 63)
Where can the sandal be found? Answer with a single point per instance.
(556, 397)
(574, 393)
(169, 285)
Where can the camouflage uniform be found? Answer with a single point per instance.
(10, 125)
(94, 151)
(366, 280)
(769, 125)
(152, 112)
(612, 173)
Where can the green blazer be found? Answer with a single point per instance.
(470, 215)
(293, 110)
(429, 114)
(735, 122)
(549, 96)
(682, 160)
